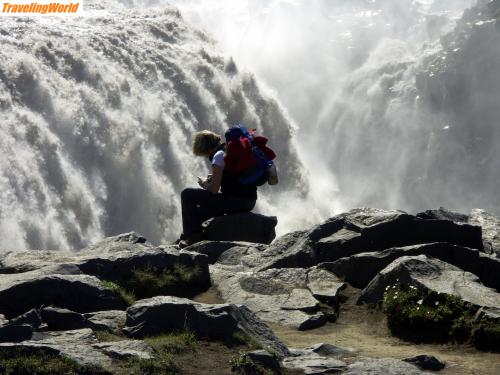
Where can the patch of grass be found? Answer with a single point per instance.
(21, 362)
(486, 336)
(241, 338)
(173, 343)
(427, 316)
(125, 294)
(178, 281)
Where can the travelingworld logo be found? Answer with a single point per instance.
(41, 7)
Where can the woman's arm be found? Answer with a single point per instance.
(214, 185)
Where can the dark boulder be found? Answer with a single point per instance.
(426, 362)
(486, 332)
(246, 227)
(31, 317)
(15, 332)
(82, 293)
(58, 319)
(430, 274)
(360, 269)
(443, 214)
(220, 322)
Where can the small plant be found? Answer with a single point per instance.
(106, 336)
(241, 338)
(173, 343)
(427, 316)
(243, 364)
(126, 295)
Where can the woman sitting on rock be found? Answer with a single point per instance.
(198, 205)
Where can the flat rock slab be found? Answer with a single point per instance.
(383, 366)
(247, 227)
(75, 344)
(284, 296)
(110, 320)
(169, 314)
(311, 363)
(126, 349)
(82, 293)
(360, 269)
(430, 274)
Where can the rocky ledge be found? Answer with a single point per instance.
(106, 308)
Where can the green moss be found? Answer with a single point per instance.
(243, 364)
(20, 362)
(241, 338)
(427, 316)
(486, 336)
(105, 336)
(173, 343)
(126, 295)
(152, 281)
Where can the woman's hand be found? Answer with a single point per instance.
(213, 181)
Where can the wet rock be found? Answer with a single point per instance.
(275, 295)
(126, 349)
(490, 226)
(382, 366)
(430, 274)
(82, 293)
(58, 319)
(360, 269)
(246, 227)
(426, 362)
(111, 320)
(169, 314)
(15, 332)
(368, 229)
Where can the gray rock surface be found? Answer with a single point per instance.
(214, 249)
(31, 317)
(126, 349)
(279, 295)
(111, 259)
(360, 269)
(246, 227)
(368, 229)
(433, 274)
(82, 293)
(443, 214)
(312, 363)
(168, 314)
(264, 360)
(382, 366)
(110, 320)
(490, 226)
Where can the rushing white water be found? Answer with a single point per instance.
(96, 119)
(96, 113)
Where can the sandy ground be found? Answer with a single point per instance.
(365, 330)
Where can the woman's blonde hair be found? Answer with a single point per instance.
(204, 142)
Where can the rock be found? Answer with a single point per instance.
(490, 226)
(368, 229)
(31, 317)
(486, 333)
(426, 362)
(312, 363)
(360, 269)
(324, 285)
(126, 349)
(275, 295)
(110, 320)
(82, 293)
(443, 214)
(243, 256)
(75, 344)
(246, 227)
(3, 320)
(329, 350)
(15, 332)
(168, 314)
(214, 249)
(265, 360)
(289, 251)
(58, 319)
(430, 274)
(111, 259)
(382, 366)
